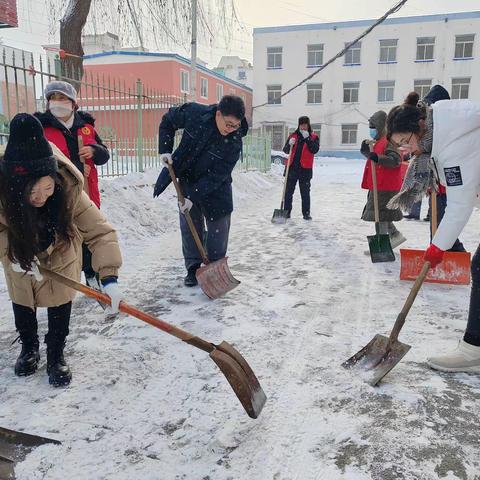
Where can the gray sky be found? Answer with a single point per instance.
(34, 23)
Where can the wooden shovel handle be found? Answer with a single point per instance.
(193, 230)
(375, 190)
(85, 181)
(134, 312)
(286, 178)
(408, 304)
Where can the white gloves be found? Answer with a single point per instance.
(32, 271)
(113, 291)
(291, 142)
(305, 133)
(186, 206)
(166, 159)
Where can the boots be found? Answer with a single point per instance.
(191, 280)
(465, 358)
(27, 362)
(59, 374)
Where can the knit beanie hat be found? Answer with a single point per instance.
(28, 152)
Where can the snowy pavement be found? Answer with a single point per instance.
(142, 405)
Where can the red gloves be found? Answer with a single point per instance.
(434, 255)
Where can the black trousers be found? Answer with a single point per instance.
(472, 333)
(58, 322)
(296, 175)
(87, 268)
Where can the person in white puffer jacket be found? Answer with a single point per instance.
(456, 162)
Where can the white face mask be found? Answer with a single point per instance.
(60, 108)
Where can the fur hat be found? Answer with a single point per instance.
(28, 152)
(58, 86)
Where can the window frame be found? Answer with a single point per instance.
(386, 88)
(186, 74)
(203, 81)
(319, 51)
(388, 49)
(464, 43)
(217, 90)
(349, 132)
(466, 83)
(425, 46)
(271, 89)
(276, 55)
(311, 89)
(351, 89)
(356, 48)
(420, 89)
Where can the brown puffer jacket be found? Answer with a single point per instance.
(89, 225)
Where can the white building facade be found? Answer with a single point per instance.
(237, 69)
(398, 56)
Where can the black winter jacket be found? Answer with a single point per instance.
(204, 159)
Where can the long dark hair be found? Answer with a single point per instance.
(26, 223)
(404, 118)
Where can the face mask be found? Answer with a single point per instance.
(373, 133)
(60, 108)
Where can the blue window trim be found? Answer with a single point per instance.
(352, 64)
(456, 59)
(315, 66)
(386, 63)
(274, 68)
(425, 61)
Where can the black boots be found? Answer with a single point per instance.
(59, 374)
(191, 280)
(306, 216)
(27, 361)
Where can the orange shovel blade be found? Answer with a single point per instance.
(454, 269)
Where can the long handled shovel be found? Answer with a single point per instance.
(454, 268)
(85, 181)
(214, 278)
(235, 368)
(382, 353)
(281, 215)
(379, 244)
(14, 447)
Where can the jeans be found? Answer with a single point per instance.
(214, 237)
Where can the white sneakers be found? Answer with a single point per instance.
(465, 358)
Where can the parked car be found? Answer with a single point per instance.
(278, 157)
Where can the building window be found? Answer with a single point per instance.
(422, 87)
(277, 134)
(349, 133)
(314, 93)
(317, 128)
(425, 47)
(185, 81)
(219, 91)
(242, 75)
(204, 87)
(274, 57)
(464, 46)
(388, 50)
(274, 93)
(385, 90)
(350, 92)
(352, 55)
(315, 55)
(460, 87)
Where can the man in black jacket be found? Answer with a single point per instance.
(203, 163)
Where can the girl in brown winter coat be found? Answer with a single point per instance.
(44, 217)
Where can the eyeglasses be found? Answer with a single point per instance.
(402, 142)
(231, 126)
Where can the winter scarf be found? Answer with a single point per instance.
(419, 177)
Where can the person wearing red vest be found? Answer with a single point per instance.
(63, 124)
(304, 144)
(387, 161)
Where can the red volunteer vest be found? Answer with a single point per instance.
(388, 179)
(306, 158)
(88, 134)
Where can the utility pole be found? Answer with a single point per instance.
(193, 79)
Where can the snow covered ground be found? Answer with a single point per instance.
(143, 405)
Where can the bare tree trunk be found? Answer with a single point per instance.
(71, 26)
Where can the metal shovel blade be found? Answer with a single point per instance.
(380, 248)
(377, 358)
(240, 377)
(215, 279)
(280, 216)
(14, 447)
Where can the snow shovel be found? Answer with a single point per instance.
(281, 215)
(86, 188)
(231, 363)
(454, 268)
(214, 278)
(379, 244)
(382, 353)
(14, 447)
